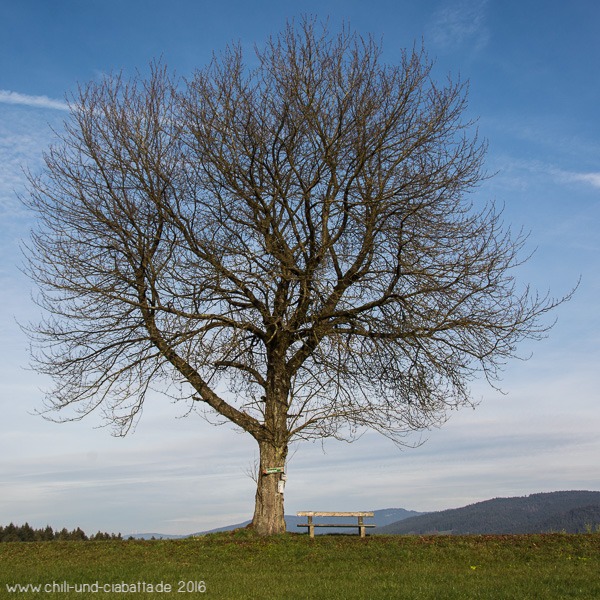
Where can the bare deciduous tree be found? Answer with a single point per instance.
(290, 246)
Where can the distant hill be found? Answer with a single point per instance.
(392, 515)
(156, 536)
(577, 520)
(571, 511)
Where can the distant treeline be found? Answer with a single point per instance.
(26, 533)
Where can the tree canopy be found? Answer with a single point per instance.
(290, 246)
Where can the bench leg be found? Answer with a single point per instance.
(361, 527)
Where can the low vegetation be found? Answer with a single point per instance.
(240, 565)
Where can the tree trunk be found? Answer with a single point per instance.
(268, 512)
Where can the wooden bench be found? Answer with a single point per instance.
(360, 525)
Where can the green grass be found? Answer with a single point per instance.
(240, 565)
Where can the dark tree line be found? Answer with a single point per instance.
(26, 533)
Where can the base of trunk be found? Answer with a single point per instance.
(268, 512)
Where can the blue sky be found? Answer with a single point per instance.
(535, 87)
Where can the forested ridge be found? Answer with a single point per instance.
(568, 511)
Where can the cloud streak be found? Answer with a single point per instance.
(9, 97)
(461, 23)
(592, 179)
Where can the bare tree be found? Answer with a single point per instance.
(288, 246)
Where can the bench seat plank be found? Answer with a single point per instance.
(334, 525)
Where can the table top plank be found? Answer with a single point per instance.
(316, 513)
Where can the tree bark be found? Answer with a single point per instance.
(268, 512)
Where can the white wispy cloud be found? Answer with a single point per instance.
(518, 172)
(591, 178)
(460, 23)
(9, 97)
(24, 135)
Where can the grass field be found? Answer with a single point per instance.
(240, 565)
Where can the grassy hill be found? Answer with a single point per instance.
(238, 565)
(571, 512)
